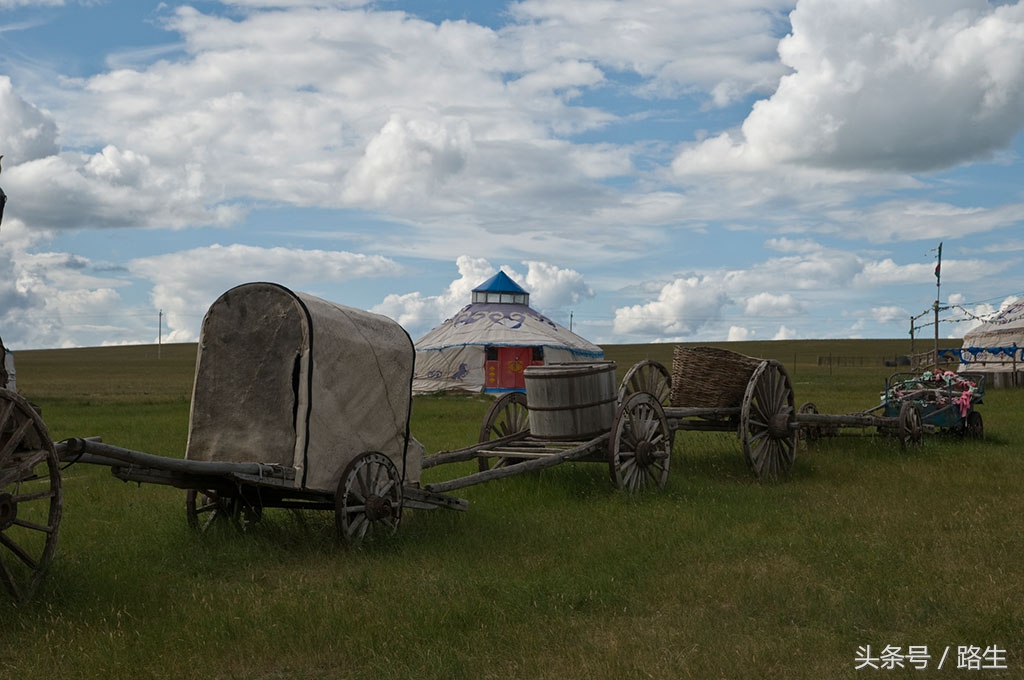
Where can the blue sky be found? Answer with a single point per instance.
(660, 171)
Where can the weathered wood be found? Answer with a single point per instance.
(573, 453)
(572, 400)
(843, 420)
(716, 413)
(470, 452)
(121, 457)
(422, 499)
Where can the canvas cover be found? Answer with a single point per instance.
(451, 356)
(996, 342)
(290, 379)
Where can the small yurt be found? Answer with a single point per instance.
(490, 342)
(994, 348)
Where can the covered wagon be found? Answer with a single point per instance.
(293, 381)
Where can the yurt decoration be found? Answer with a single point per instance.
(994, 348)
(488, 345)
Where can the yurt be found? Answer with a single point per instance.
(994, 348)
(490, 342)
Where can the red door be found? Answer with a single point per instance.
(505, 365)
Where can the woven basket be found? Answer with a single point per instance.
(708, 377)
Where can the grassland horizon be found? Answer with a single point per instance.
(549, 574)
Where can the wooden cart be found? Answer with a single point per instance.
(520, 432)
(912, 404)
(717, 390)
(301, 403)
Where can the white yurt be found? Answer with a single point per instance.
(994, 348)
(490, 342)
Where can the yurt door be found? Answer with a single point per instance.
(505, 366)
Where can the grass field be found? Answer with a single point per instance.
(549, 575)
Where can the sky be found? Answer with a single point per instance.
(650, 171)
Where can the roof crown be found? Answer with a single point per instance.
(502, 290)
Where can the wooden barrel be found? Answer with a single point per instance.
(571, 400)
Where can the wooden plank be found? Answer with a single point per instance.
(470, 452)
(422, 499)
(577, 452)
(686, 412)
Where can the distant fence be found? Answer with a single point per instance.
(999, 379)
(913, 361)
(839, 360)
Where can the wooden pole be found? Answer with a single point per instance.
(938, 296)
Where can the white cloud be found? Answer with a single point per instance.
(682, 308)
(769, 304)
(889, 313)
(906, 87)
(788, 245)
(418, 313)
(554, 288)
(51, 299)
(729, 49)
(785, 333)
(739, 334)
(546, 138)
(408, 160)
(27, 132)
(186, 283)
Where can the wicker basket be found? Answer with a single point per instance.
(708, 377)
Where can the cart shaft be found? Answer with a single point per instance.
(96, 452)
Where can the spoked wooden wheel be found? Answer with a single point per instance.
(30, 496)
(369, 498)
(508, 415)
(206, 508)
(769, 441)
(640, 444)
(647, 376)
(911, 430)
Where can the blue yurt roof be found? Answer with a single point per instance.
(499, 283)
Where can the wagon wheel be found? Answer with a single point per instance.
(206, 507)
(507, 415)
(369, 498)
(766, 416)
(974, 428)
(30, 496)
(640, 444)
(647, 376)
(911, 426)
(810, 433)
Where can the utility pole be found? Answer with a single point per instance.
(913, 319)
(160, 333)
(938, 296)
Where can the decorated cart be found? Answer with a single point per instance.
(945, 400)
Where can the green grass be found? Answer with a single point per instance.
(549, 575)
